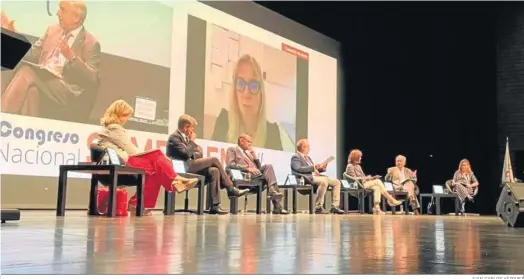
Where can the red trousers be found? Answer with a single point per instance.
(159, 172)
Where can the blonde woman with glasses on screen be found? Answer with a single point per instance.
(247, 111)
(158, 168)
(354, 170)
(464, 183)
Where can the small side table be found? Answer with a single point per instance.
(437, 201)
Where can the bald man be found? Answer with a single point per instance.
(244, 158)
(67, 57)
(303, 166)
(404, 180)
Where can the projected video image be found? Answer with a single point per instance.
(250, 88)
(78, 68)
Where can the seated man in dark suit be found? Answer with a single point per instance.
(181, 146)
(303, 166)
(243, 157)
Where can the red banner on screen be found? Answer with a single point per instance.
(297, 52)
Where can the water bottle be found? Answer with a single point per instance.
(301, 181)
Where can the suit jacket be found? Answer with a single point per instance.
(181, 149)
(300, 168)
(114, 136)
(395, 174)
(273, 137)
(237, 159)
(78, 75)
(355, 171)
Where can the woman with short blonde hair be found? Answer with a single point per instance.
(158, 168)
(117, 113)
(247, 110)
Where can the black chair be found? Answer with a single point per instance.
(169, 200)
(306, 190)
(350, 190)
(361, 193)
(255, 186)
(97, 153)
(452, 190)
(128, 180)
(397, 195)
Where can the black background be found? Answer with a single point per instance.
(421, 80)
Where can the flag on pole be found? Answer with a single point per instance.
(507, 170)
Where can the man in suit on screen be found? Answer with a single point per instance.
(303, 166)
(244, 158)
(62, 64)
(181, 146)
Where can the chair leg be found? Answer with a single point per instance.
(294, 200)
(268, 205)
(200, 203)
(92, 211)
(286, 200)
(311, 209)
(169, 203)
(259, 201)
(233, 205)
(186, 201)
(166, 202)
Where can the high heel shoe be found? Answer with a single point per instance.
(132, 210)
(182, 184)
(378, 212)
(394, 203)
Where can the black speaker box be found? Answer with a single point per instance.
(9, 215)
(510, 207)
(14, 47)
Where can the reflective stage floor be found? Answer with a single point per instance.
(302, 244)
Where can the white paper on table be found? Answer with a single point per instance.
(145, 108)
(179, 166)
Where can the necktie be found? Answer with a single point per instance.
(54, 60)
(308, 160)
(250, 159)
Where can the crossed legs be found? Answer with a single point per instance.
(379, 189)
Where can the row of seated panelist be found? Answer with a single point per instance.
(183, 167)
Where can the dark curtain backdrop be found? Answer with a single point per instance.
(420, 80)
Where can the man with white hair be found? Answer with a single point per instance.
(66, 60)
(404, 179)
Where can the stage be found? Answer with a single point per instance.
(244, 244)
